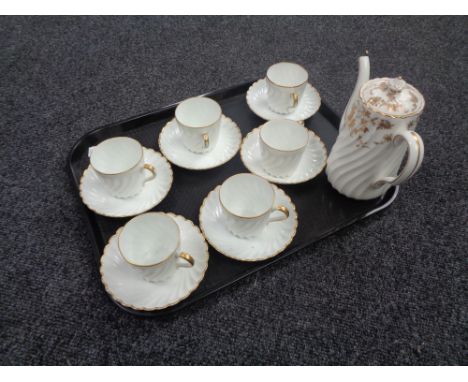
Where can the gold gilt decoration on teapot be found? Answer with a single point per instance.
(392, 97)
(360, 124)
(389, 101)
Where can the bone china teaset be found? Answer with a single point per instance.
(158, 259)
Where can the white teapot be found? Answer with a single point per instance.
(376, 130)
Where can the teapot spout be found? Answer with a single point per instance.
(363, 77)
(364, 73)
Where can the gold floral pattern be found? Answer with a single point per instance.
(360, 121)
(386, 139)
(384, 124)
(392, 97)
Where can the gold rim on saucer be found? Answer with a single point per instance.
(286, 86)
(109, 292)
(248, 97)
(272, 178)
(223, 117)
(293, 213)
(90, 168)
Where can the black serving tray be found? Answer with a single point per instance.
(321, 210)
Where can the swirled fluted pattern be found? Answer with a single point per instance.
(257, 101)
(312, 163)
(281, 164)
(96, 197)
(354, 170)
(125, 284)
(272, 241)
(170, 144)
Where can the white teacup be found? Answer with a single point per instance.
(286, 82)
(151, 244)
(199, 119)
(282, 144)
(248, 202)
(119, 164)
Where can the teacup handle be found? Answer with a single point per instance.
(295, 100)
(189, 260)
(206, 141)
(281, 209)
(151, 169)
(413, 162)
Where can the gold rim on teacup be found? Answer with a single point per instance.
(291, 237)
(144, 309)
(86, 172)
(167, 156)
(240, 216)
(261, 127)
(220, 113)
(258, 90)
(123, 171)
(270, 208)
(185, 255)
(286, 86)
(270, 178)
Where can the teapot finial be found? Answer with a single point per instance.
(396, 84)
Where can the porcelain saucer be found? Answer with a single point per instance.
(126, 286)
(272, 241)
(154, 191)
(257, 101)
(170, 144)
(312, 162)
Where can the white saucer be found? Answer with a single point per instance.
(154, 191)
(312, 163)
(272, 241)
(126, 286)
(170, 144)
(257, 101)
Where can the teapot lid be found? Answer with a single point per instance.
(392, 97)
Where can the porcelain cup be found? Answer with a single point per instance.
(248, 202)
(119, 164)
(286, 82)
(150, 243)
(199, 119)
(282, 144)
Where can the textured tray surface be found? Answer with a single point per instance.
(321, 210)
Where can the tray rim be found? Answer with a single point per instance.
(96, 241)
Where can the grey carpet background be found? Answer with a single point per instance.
(389, 290)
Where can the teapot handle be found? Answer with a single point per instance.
(415, 157)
